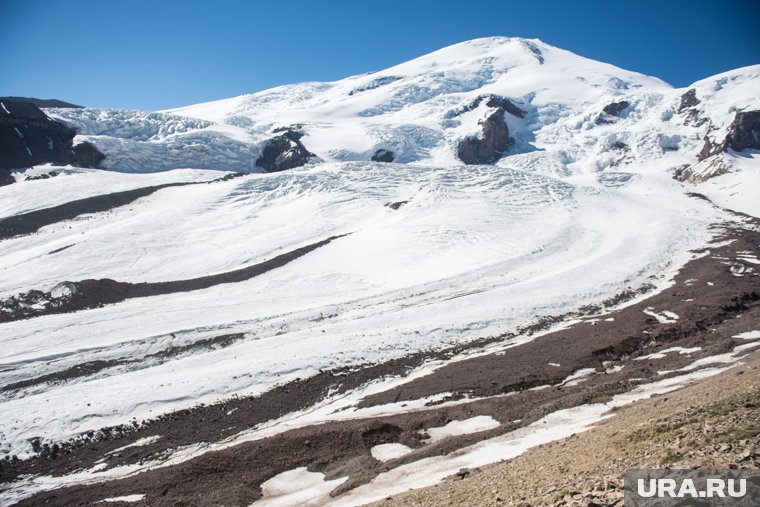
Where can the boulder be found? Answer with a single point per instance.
(29, 137)
(743, 134)
(383, 155)
(489, 147)
(284, 151)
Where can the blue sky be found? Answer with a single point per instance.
(163, 54)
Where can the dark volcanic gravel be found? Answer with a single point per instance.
(31, 222)
(95, 293)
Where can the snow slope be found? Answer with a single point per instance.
(475, 251)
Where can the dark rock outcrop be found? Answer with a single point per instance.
(6, 178)
(383, 155)
(612, 111)
(688, 100)
(743, 134)
(615, 108)
(395, 205)
(295, 129)
(87, 155)
(688, 109)
(491, 145)
(42, 102)
(43, 176)
(284, 151)
(375, 83)
(495, 101)
(29, 137)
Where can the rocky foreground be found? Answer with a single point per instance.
(711, 424)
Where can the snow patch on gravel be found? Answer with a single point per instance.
(387, 452)
(297, 487)
(454, 428)
(125, 498)
(749, 335)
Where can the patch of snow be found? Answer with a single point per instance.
(454, 428)
(662, 353)
(125, 498)
(296, 487)
(138, 443)
(387, 452)
(749, 335)
(665, 317)
(577, 377)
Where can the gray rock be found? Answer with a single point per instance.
(383, 155)
(743, 134)
(493, 142)
(611, 112)
(285, 151)
(29, 137)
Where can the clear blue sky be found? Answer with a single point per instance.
(162, 54)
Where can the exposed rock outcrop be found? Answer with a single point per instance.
(688, 108)
(42, 102)
(29, 137)
(699, 173)
(375, 83)
(611, 112)
(495, 101)
(743, 134)
(491, 145)
(284, 151)
(383, 155)
(688, 100)
(6, 178)
(87, 155)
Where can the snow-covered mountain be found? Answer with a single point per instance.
(512, 182)
(421, 111)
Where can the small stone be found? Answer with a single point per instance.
(745, 456)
